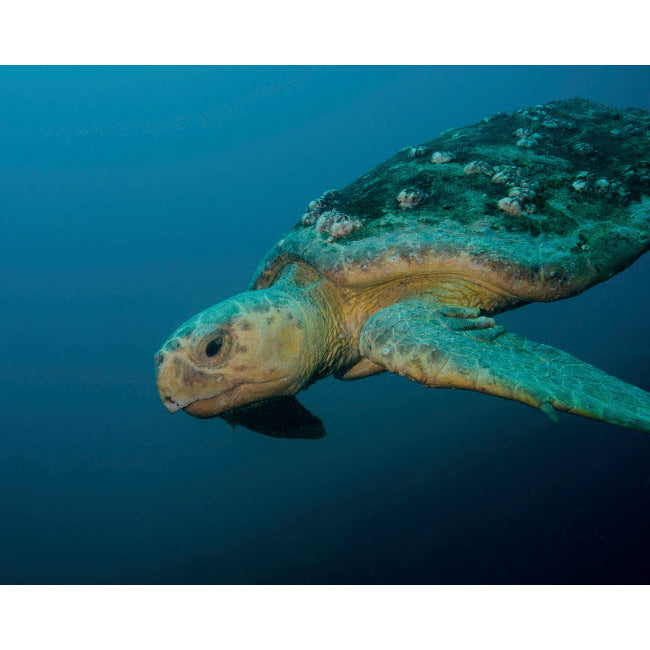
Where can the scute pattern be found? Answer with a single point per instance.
(562, 244)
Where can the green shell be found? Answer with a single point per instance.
(587, 164)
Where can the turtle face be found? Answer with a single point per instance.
(240, 351)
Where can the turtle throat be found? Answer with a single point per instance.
(327, 346)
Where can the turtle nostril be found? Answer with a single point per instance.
(159, 358)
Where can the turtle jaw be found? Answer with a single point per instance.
(237, 396)
(182, 386)
(180, 383)
(200, 406)
(173, 400)
(205, 407)
(170, 404)
(210, 407)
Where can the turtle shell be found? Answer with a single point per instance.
(542, 203)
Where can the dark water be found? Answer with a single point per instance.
(131, 199)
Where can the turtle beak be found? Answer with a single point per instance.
(163, 391)
(183, 386)
(168, 401)
(168, 369)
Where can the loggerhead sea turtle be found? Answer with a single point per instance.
(404, 268)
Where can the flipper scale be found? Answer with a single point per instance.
(428, 349)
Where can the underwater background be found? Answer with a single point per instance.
(132, 198)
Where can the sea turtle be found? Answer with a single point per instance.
(404, 269)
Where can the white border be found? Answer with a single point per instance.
(529, 618)
(323, 617)
(332, 32)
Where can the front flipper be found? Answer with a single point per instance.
(453, 347)
(278, 417)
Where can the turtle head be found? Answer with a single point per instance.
(241, 351)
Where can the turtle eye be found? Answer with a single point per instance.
(214, 347)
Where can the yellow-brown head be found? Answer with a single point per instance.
(243, 350)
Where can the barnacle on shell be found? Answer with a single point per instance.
(478, 167)
(336, 224)
(439, 157)
(506, 175)
(587, 182)
(524, 194)
(410, 198)
(317, 206)
(511, 205)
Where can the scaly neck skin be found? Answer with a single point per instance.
(334, 316)
(327, 346)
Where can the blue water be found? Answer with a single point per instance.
(130, 199)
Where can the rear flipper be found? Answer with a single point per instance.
(453, 347)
